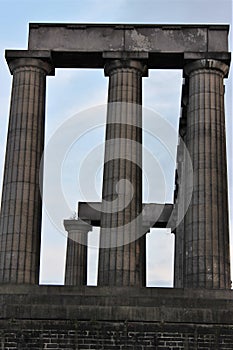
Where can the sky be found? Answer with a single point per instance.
(84, 92)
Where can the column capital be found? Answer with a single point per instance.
(17, 59)
(30, 62)
(77, 230)
(77, 225)
(207, 64)
(114, 64)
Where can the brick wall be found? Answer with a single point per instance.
(70, 335)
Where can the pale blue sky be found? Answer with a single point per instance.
(72, 91)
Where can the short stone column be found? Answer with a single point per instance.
(76, 254)
(122, 244)
(206, 233)
(20, 221)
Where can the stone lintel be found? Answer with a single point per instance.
(164, 46)
(91, 212)
(128, 37)
(43, 55)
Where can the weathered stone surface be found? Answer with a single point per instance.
(122, 242)
(128, 37)
(86, 45)
(53, 317)
(157, 215)
(43, 334)
(204, 238)
(20, 221)
(76, 253)
(123, 50)
(165, 305)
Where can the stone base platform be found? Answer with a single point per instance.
(58, 317)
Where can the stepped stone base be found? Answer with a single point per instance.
(57, 317)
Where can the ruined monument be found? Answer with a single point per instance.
(121, 312)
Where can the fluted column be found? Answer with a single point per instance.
(20, 222)
(76, 254)
(180, 195)
(206, 239)
(122, 245)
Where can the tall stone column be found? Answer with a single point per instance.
(76, 255)
(206, 233)
(20, 221)
(122, 245)
(180, 195)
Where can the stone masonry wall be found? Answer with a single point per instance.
(79, 318)
(36, 335)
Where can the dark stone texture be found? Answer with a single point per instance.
(128, 37)
(116, 304)
(122, 238)
(21, 205)
(108, 335)
(88, 45)
(91, 211)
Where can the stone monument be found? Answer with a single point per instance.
(121, 312)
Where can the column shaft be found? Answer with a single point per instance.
(180, 197)
(206, 258)
(76, 254)
(20, 222)
(122, 249)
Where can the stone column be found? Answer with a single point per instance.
(20, 222)
(180, 195)
(206, 239)
(122, 244)
(76, 254)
